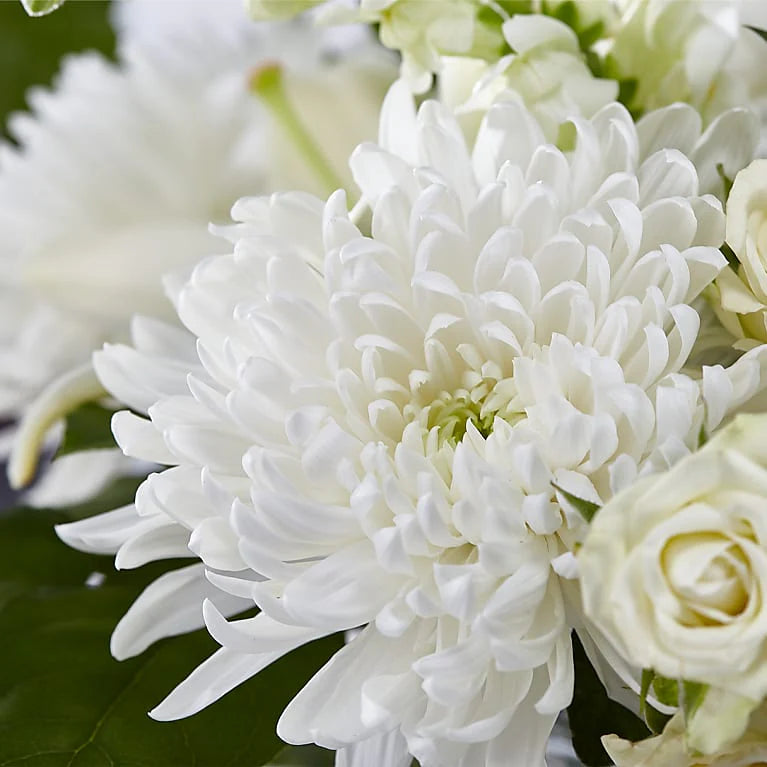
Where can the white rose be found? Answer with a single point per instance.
(739, 295)
(742, 314)
(746, 231)
(674, 569)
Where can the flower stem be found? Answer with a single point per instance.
(267, 83)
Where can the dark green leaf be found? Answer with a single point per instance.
(120, 492)
(303, 756)
(726, 180)
(729, 254)
(567, 13)
(592, 714)
(656, 720)
(87, 428)
(627, 90)
(589, 35)
(587, 509)
(31, 49)
(65, 701)
(761, 32)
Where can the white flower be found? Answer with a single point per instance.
(370, 434)
(423, 32)
(546, 69)
(695, 51)
(739, 296)
(97, 204)
(669, 748)
(674, 569)
(121, 168)
(747, 226)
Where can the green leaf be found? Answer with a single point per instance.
(593, 714)
(567, 13)
(726, 180)
(31, 49)
(589, 35)
(303, 756)
(692, 695)
(64, 701)
(627, 91)
(120, 492)
(761, 32)
(587, 509)
(729, 254)
(41, 7)
(665, 690)
(87, 428)
(647, 678)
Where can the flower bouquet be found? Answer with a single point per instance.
(412, 356)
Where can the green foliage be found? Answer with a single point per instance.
(761, 32)
(593, 714)
(65, 701)
(303, 756)
(30, 49)
(627, 91)
(568, 13)
(664, 689)
(587, 509)
(729, 254)
(692, 695)
(119, 492)
(670, 692)
(726, 180)
(87, 428)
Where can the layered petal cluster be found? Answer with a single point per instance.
(739, 295)
(545, 67)
(699, 52)
(381, 430)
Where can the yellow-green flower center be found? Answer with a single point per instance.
(450, 412)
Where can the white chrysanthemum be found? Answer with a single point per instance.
(371, 428)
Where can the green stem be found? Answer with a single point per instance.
(267, 83)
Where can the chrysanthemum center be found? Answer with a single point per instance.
(451, 413)
(480, 402)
